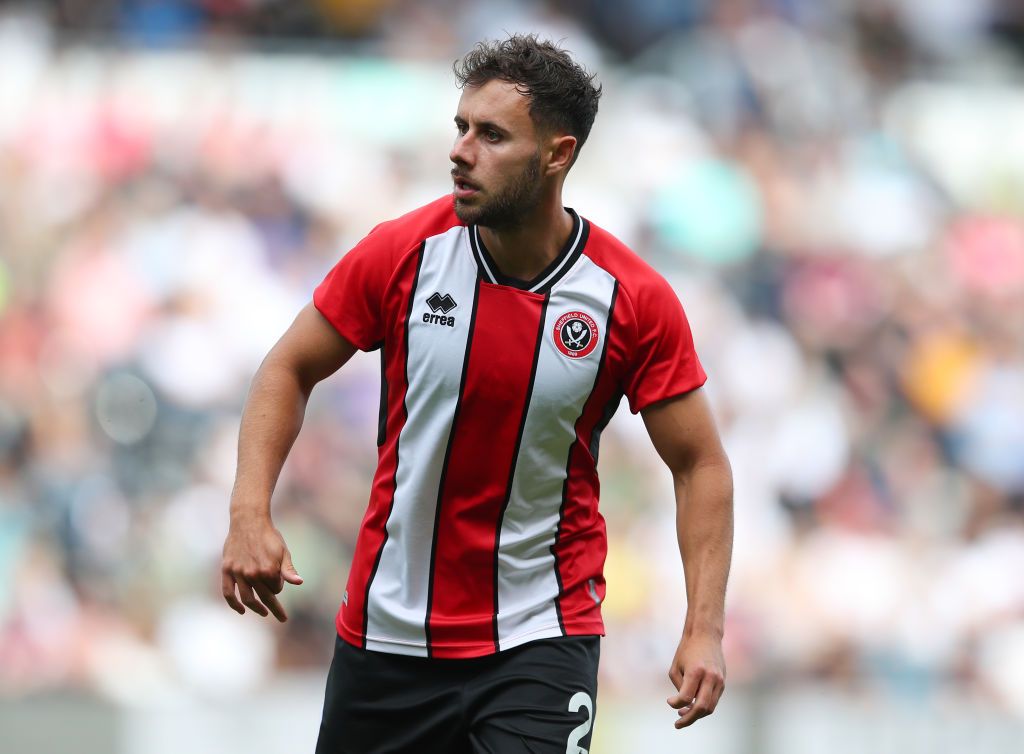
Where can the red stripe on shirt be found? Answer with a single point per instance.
(484, 444)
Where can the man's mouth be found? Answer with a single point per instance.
(464, 188)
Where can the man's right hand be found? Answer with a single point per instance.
(258, 563)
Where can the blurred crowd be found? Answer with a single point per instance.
(836, 190)
(889, 30)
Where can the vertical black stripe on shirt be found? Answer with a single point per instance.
(481, 263)
(515, 458)
(568, 460)
(606, 416)
(398, 439)
(382, 412)
(444, 467)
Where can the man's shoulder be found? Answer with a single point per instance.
(631, 271)
(418, 225)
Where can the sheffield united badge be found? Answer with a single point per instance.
(575, 334)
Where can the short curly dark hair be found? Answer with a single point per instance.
(563, 96)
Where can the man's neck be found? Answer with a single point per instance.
(523, 252)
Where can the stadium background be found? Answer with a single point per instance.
(835, 189)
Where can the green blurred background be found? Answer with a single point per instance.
(834, 188)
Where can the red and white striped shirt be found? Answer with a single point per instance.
(482, 530)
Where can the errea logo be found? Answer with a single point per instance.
(443, 304)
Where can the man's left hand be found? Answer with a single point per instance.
(698, 672)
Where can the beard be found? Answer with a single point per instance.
(508, 207)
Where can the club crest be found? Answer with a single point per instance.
(575, 334)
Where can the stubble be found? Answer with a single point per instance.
(509, 207)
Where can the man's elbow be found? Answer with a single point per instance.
(283, 373)
(709, 463)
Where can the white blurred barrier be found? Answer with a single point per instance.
(283, 719)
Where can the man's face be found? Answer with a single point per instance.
(496, 156)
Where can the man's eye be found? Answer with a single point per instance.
(492, 136)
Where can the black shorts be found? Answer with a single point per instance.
(537, 698)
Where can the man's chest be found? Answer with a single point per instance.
(495, 345)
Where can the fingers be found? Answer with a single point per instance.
(709, 686)
(267, 595)
(255, 593)
(676, 676)
(249, 598)
(256, 566)
(686, 684)
(227, 585)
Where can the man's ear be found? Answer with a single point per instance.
(562, 150)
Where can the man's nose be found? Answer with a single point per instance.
(462, 153)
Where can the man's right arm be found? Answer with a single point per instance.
(256, 560)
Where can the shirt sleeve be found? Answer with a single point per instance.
(664, 363)
(351, 297)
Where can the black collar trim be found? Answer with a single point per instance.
(550, 275)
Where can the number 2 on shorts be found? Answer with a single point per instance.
(580, 699)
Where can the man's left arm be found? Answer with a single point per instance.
(684, 434)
